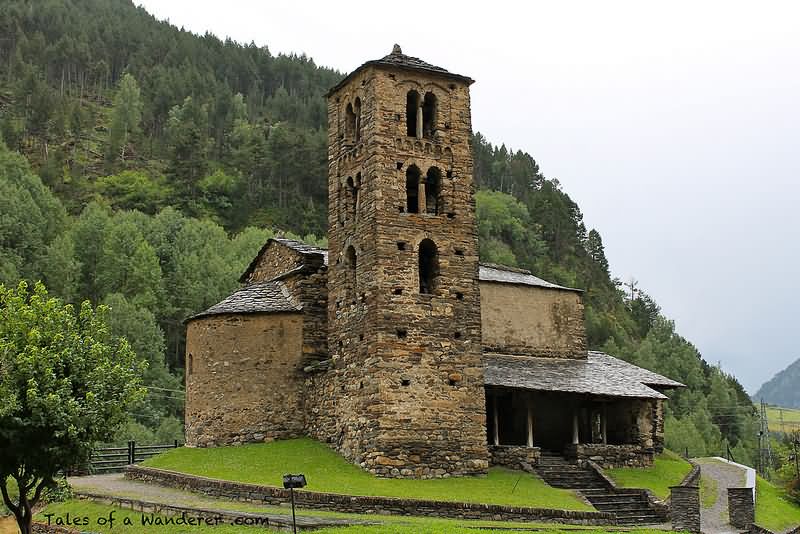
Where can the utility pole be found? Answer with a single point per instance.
(764, 446)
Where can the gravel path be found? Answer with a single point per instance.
(715, 519)
(116, 485)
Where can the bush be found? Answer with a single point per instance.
(60, 492)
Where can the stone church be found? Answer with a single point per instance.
(396, 346)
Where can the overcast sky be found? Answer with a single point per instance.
(675, 126)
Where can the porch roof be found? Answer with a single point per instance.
(598, 374)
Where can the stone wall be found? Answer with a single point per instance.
(541, 322)
(360, 504)
(741, 507)
(684, 510)
(610, 456)
(515, 457)
(243, 378)
(310, 289)
(273, 260)
(406, 365)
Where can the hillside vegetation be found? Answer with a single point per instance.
(146, 165)
(782, 389)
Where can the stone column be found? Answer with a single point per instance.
(741, 508)
(575, 425)
(496, 421)
(419, 121)
(530, 423)
(604, 424)
(421, 208)
(684, 508)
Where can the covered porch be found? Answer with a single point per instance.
(611, 431)
(596, 409)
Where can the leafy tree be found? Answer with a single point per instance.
(134, 190)
(125, 117)
(64, 384)
(129, 265)
(30, 218)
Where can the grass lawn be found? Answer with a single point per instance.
(669, 469)
(773, 509)
(783, 419)
(91, 511)
(709, 491)
(325, 470)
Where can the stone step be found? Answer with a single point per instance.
(622, 507)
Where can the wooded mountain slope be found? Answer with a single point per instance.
(158, 162)
(783, 389)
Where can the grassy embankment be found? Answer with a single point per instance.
(669, 469)
(774, 510)
(326, 471)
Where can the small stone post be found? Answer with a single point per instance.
(684, 509)
(741, 508)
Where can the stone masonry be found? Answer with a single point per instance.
(741, 507)
(394, 345)
(406, 359)
(685, 508)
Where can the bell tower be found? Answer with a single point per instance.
(403, 304)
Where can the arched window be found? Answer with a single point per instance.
(412, 189)
(413, 122)
(190, 365)
(433, 190)
(429, 115)
(351, 264)
(428, 266)
(357, 124)
(349, 122)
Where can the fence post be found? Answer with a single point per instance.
(176, 443)
(131, 451)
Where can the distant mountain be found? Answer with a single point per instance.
(783, 389)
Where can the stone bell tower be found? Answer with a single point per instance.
(404, 305)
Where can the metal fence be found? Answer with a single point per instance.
(111, 459)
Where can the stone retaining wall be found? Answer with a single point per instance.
(611, 456)
(44, 528)
(741, 508)
(362, 504)
(515, 457)
(685, 508)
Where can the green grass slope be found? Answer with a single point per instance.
(326, 471)
(774, 510)
(669, 469)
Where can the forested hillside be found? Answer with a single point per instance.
(783, 389)
(146, 165)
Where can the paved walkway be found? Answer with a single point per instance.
(715, 519)
(116, 486)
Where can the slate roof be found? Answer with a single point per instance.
(262, 297)
(298, 246)
(598, 374)
(397, 59)
(490, 272)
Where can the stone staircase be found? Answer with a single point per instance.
(629, 505)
